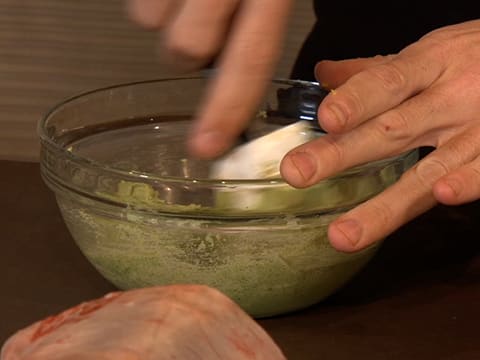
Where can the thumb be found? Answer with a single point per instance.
(331, 74)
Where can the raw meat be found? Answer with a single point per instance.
(183, 322)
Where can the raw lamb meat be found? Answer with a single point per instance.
(184, 322)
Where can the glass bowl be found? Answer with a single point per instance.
(144, 213)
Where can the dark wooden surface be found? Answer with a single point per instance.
(418, 299)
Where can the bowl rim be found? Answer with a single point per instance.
(47, 141)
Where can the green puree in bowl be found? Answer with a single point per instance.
(262, 243)
(268, 266)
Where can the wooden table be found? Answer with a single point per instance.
(418, 299)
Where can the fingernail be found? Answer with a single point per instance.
(305, 167)
(346, 231)
(337, 115)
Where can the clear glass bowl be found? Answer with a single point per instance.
(144, 213)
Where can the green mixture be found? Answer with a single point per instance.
(267, 266)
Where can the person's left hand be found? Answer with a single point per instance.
(426, 95)
(242, 38)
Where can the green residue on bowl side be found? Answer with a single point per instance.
(266, 272)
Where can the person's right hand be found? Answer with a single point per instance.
(427, 95)
(244, 37)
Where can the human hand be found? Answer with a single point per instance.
(426, 95)
(170, 322)
(244, 35)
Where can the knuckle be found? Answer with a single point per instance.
(429, 170)
(439, 47)
(394, 126)
(390, 76)
(354, 106)
(381, 212)
(334, 149)
(465, 146)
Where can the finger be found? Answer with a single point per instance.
(391, 83)
(378, 217)
(332, 74)
(245, 69)
(408, 126)
(408, 198)
(198, 31)
(463, 184)
(152, 14)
